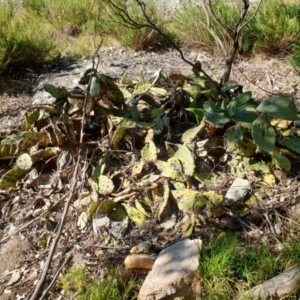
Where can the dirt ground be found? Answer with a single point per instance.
(20, 259)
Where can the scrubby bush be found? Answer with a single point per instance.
(65, 15)
(23, 42)
(138, 38)
(274, 29)
(191, 25)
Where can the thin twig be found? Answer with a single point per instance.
(270, 225)
(218, 21)
(42, 279)
(238, 28)
(261, 88)
(211, 31)
(55, 276)
(253, 16)
(131, 23)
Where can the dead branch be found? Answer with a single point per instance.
(254, 14)
(235, 46)
(127, 20)
(230, 55)
(210, 14)
(216, 19)
(38, 289)
(42, 279)
(210, 30)
(45, 292)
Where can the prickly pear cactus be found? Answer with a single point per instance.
(279, 107)
(56, 92)
(10, 178)
(24, 162)
(8, 151)
(189, 200)
(264, 135)
(292, 143)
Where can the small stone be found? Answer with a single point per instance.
(139, 261)
(238, 190)
(143, 247)
(99, 253)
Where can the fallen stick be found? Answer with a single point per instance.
(40, 284)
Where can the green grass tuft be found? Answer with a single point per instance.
(139, 39)
(191, 26)
(275, 27)
(77, 284)
(23, 42)
(229, 268)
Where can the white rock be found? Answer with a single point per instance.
(238, 190)
(173, 274)
(100, 222)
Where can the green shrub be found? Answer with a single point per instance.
(66, 14)
(23, 42)
(274, 29)
(295, 59)
(191, 25)
(115, 286)
(34, 30)
(138, 39)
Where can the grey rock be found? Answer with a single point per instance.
(113, 62)
(142, 247)
(117, 229)
(100, 222)
(237, 191)
(67, 76)
(173, 274)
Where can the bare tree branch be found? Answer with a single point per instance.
(38, 289)
(211, 31)
(229, 60)
(217, 20)
(253, 16)
(124, 15)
